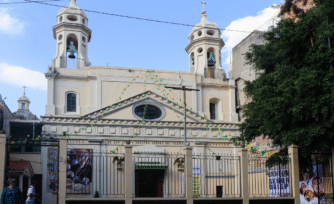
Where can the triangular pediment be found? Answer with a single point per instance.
(126, 109)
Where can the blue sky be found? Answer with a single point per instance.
(27, 45)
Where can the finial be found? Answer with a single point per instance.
(203, 2)
(72, 2)
(24, 92)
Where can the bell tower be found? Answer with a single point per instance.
(204, 49)
(72, 36)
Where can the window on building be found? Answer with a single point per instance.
(23, 105)
(212, 111)
(71, 102)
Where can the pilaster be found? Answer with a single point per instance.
(244, 175)
(62, 170)
(128, 174)
(188, 175)
(294, 168)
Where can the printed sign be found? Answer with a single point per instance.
(279, 183)
(53, 170)
(79, 171)
(309, 193)
(197, 173)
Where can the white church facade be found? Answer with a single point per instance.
(97, 109)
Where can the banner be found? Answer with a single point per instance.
(279, 183)
(53, 170)
(79, 170)
(309, 193)
(197, 174)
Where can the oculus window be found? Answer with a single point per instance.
(71, 102)
(152, 112)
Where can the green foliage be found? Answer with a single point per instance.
(293, 98)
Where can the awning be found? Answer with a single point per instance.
(153, 165)
(19, 167)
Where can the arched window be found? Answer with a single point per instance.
(212, 111)
(71, 102)
(72, 50)
(214, 107)
(23, 106)
(211, 57)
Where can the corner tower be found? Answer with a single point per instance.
(72, 36)
(204, 48)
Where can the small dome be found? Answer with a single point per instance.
(24, 98)
(72, 9)
(204, 24)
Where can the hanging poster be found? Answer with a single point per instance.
(53, 170)
(279, 183)
(197, 173)
(309, 193)
(79, 170)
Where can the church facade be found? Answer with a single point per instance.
(100, 108)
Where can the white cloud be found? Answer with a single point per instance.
(9, 25)
(250, 23)
(19, 76)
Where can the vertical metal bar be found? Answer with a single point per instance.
(279, 179)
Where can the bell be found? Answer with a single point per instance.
(71, 56)
(211, 63)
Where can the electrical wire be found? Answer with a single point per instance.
(24, 2)
(137, 18)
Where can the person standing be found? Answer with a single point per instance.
(11, 194)
(31, 193)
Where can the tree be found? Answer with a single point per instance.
(293, 99)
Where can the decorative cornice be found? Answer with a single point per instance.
(72, 26)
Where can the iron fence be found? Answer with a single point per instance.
(158, 175)
(95, 174)
(216, 176)
(268, 182)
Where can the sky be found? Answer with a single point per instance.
(27, 45)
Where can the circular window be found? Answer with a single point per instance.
(152, 112)
(83, 39)
(60, 37)
(210, 32)
(83, 21)
(60, 19)
(199, 33)
(200, 50)
(72, 18)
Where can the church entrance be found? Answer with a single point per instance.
(149, 182)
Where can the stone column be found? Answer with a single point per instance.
(294, 168)
(128, 174)
(188, 175)
(50, 108)
(244, 175)
(2, 160)
(62, 170)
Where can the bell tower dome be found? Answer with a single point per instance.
(72, 36)
(204, 48)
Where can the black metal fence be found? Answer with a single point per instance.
(158, 175)
(268, 182)
(216, 176)
(95, 174)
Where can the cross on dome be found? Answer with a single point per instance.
(203, 2)
(24, 92)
